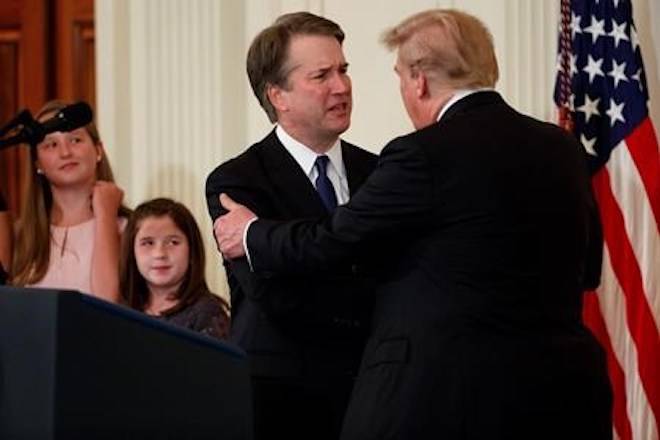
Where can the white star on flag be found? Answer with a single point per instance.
(638, 77)
(575, 25)
(615, 112)
(596, 29)
(593, 68)
(620, 144)
(618, 32)
(574, 68)
(617, 73)
(633, 38)
(589, 144)
(589, 108)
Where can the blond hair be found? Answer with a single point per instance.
(451, 47)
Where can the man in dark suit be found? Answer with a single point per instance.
(492, 236)
(304, 336)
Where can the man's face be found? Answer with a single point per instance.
(315, 104)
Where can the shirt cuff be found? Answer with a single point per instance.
(245, 246)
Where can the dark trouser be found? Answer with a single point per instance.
(296, 408)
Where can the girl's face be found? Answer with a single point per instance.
(68, 158)
(161, 253)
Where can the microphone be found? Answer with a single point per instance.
(69, 118)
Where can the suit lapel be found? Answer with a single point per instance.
(357, 169)
(289, 181)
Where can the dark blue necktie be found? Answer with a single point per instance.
(324, 185)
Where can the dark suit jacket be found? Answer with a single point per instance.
(297, 330)
(492, 234)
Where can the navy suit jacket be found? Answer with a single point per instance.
(491, 234)
(292, 326)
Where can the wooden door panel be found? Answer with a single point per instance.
(74, 26)
(24, 69)
(46, 52)
(10, 159)
(84, 73)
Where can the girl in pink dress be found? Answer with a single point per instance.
(68, 231)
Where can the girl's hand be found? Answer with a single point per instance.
(106, 199)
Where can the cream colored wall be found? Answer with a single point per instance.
(647, 21)
(173, 99)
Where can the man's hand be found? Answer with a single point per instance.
(230, 228)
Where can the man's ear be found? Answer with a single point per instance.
(421, 85)
(277, 97)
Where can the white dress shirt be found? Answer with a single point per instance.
(460, 94)
(306, 158)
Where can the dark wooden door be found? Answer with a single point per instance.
(46, 52)
(73, 46)
(24, 71)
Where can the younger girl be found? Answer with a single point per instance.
(162, 269)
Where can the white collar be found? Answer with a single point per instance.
(458, 95)
(306, 157)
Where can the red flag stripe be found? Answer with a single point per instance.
(593, 318)
(612, 302)
(643, 146)
(628, 189)
(641, 323)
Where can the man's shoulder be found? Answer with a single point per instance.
(246, 159)
(358, 153)
(250, 159)
(355, 148)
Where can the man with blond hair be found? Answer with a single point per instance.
(493, 235)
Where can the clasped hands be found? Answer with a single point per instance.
(229, 229)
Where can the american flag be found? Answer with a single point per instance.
(602, 94)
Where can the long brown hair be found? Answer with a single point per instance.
(33, 240)
(131, 282)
